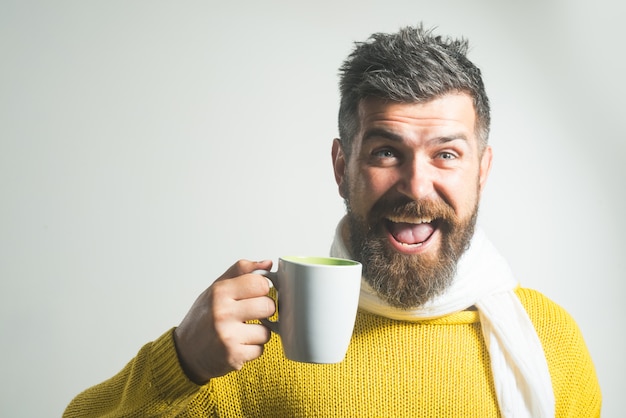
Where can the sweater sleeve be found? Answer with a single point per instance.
(152, 384)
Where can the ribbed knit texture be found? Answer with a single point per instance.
(436, 368)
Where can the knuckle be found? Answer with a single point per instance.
(219, 291)
(235, 270)
(225, 336)
(221, 313)
(241, 266)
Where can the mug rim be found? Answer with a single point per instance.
(321, 261)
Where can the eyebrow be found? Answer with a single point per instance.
(381, 133)
(384, 133)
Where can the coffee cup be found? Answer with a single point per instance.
(317, 303)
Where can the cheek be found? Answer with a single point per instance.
(376, 183)
(366, 188)
(461, 192)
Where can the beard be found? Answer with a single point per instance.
(409, 280)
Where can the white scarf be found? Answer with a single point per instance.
(484, 279)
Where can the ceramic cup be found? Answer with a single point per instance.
(317, 303)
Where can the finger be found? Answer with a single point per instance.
(245, 354)
(242, 267)
(255, 308)
(246, 345)
(256, 334)
(240, 299)
(245, 287)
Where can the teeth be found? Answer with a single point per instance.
(419, 244)
(398, 219)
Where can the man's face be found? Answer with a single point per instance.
(412, 185)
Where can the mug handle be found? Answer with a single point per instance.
(273, 278)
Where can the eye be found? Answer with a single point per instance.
(446, 155)
(384, 157)
(384, 153)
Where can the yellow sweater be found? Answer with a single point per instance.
(436, 368)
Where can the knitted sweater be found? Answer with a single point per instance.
(435, 368)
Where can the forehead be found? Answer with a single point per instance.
(450, 112)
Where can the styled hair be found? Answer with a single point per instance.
(409, 66)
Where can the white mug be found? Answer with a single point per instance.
(318, 299)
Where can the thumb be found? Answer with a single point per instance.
(242, 267)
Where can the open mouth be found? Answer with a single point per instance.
(411, 233)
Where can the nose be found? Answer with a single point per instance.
(416, 179)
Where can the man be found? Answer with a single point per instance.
(443, 328)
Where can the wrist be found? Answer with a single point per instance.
(184, 359)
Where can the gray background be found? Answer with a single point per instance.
(147, 145)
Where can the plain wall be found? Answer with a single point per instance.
(145, 146)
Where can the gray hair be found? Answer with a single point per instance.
(409, 66)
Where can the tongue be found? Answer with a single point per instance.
(410, 233)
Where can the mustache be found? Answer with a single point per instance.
(404, 207)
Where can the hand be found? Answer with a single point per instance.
(214, 339)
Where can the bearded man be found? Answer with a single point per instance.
(443, 328)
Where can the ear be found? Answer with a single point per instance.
(339, 165)
(485, 166)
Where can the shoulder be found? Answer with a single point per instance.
(542, 310)
(554, 325)
(560, 336)
(574, 379)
